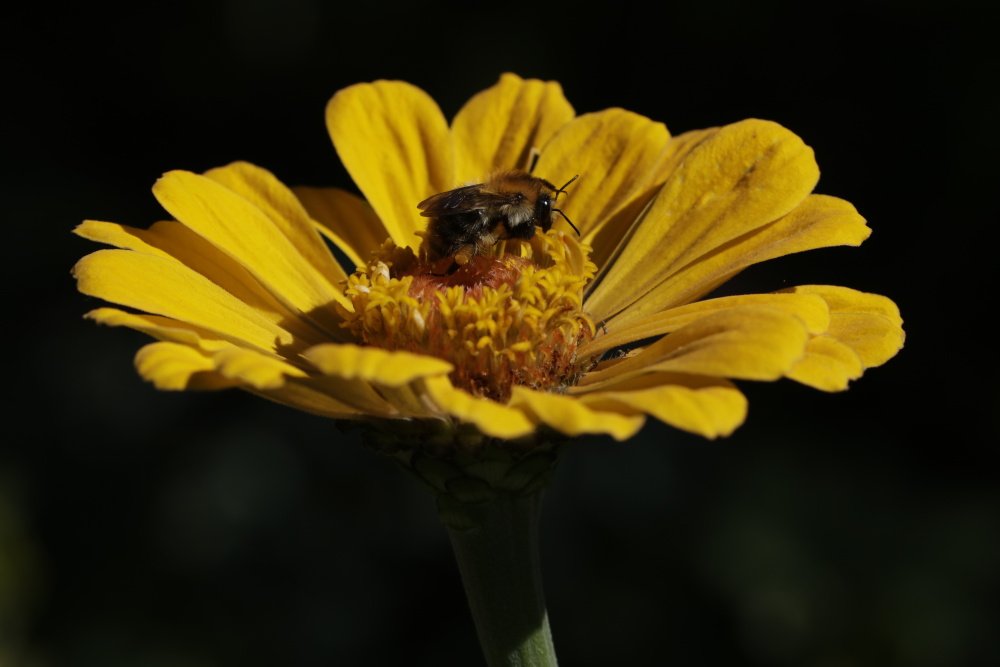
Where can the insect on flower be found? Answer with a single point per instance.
(468, 221)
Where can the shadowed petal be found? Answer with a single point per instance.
(865, 331)
(828, 365)
(346, 219)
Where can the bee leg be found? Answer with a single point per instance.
(464, 254)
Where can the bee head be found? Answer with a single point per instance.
(543, 211)
(544, 208)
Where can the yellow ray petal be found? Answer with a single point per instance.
(161, 328)
(828, 365)
(393, 369)
(810, 308)
(819, 222)
(257, 370)
(613, 233)
(302, 395)
(395, 143)
(251, 237)
(493, 419)
(746, 342)
(346, 219)
(572, 417)
(615, 152)
(869, 324)
(172, 240)
(152, 284)
(499, 127)
(261, 188)
(705, 406)
(396, 376)
(176, 367)
(732, 182)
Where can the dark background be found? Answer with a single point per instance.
(144, 528)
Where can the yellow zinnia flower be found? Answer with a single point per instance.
(565, 334)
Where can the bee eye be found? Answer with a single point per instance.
(543, 212)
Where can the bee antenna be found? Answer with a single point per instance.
(533, 159)
(563, 189)
(555, 210)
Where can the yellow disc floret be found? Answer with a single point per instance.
(503, 319)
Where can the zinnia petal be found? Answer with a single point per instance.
(573, 417)
(493, 419)
(615, 152)
(395, 143)
(705, 406)
(503, 125)
(264, 245)
(865, 331)
(828, 365)
(818, 222)
(173, 241)
(344, 218)
(151, 284)
(810, 308)
(264, 191)
(736, 180)
(175, 366)
(748, 342)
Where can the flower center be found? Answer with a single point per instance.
(502, 319)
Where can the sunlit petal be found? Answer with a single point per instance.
(493, 419)
(501, 126)
(615, 153)
(706, 406)
(264, 191)
(394, 141)
(172, 240)
(810, 308)
(151, 284)
(732, 182)
(747, 342)
(250, 236)
(818, 222)
(573, 417)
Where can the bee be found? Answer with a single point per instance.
(468, 221)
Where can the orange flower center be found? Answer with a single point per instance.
(502, 319)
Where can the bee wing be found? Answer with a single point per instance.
(458, 201)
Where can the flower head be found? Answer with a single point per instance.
(556, 333)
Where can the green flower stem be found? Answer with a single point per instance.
(500, 568)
